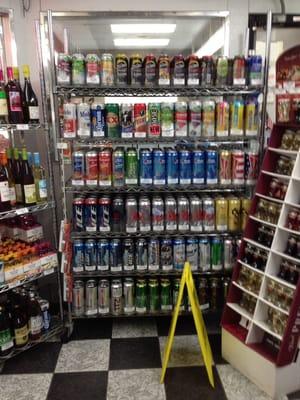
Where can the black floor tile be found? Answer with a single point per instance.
(134, 353)
(215, 341)
(78, 386)
(92, 329)
(192, 383)
(294, 396)
(39, 359)
(184, 326)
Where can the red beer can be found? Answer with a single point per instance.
(251, 167)
(239, 71)
(91, 168)
(225, 167)
(238, 167)
(105, 167)
(140, 122)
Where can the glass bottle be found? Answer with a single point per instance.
(39, 179)
(6, 341)
(4, 187)
(20, 326)
(11, 181)
(35, 317)
(28, 186)
(14, 99)
(17, 173)
(31, 101)
(3, 101)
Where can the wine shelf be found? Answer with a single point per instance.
(252, 268)
(263, 196)
(263, 325)
(26, 210)
(283, 151)
(261, 221)
(254, 243)
(244, 289)
(270, 304)
(148, 274)
(240, 310)
(24, 127)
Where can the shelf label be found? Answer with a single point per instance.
(61, 146)
(48, 271)
(20, 211)
(22, 127)
(76, 182)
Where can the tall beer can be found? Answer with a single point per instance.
(208, 118)
(222, 118)
(195, 120)
(104, 214)
(116, 297)
(178, 253)
(126, 120)
(131, 167)
(140, 120)
(153, 254)
(225, 167)
(97, 120)
(167, 119)
(245, 211)
(238, 167)
(105, 167)
(234, 214)
(196, 214)
(83, 120)
(103, 297)
(216, 254)
(166, 254)
(172, 166)
(70, 121)
(154, 119)
(112, 120)
(129, 301)
(204, 254)
(158, 214)
(228, 255)
(128, 255)
(237, 118)
(118, 167)
(131, 211)
(144, 214)
(181, 120)
(103, 255)
(198, 169)
(221, 214)
(183, 207)
(107, 69)
(78, 301)
(141, 252)
(170, 213)
(118, 215)
(208, 215)
(192, 252)
(115, 255)
(91, 306)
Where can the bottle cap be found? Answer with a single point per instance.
(26, 71)
(36, 158)
(16, 73)
(10, 74)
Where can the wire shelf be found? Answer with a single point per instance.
(26, 210)
(24, 127)
(147, 274)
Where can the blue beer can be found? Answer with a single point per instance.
(166, 254)
(97, 120)
(192, 252)
(211, 161)
(141, 254)
(153, 254)
(90, 214)
(104, 214)
(78, 167)
(185, 167)
(178, 253)
(159, 167)
(115, 255)
(118, 167)
(78, 255)
(146, 167)
(172, 166)
(90, 255)
(78, 214)
(198, 175)
(103, 255)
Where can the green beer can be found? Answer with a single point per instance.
(153, 295)
(167, 119)
(112, 120)
(141, 296)
(216, 254)
(176, 286)
(165, 295)
(131, 167)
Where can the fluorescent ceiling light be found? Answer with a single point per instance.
(143, 28)
(141, 42)
(213, 44)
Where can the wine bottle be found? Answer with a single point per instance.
(20, 326)
(3, 101)
(31, 101)
(35, 317)
(28, 186)
(4, 187)
(17, 173)
(6, 341)
(39, 179)
(14, 99)
(11, 181)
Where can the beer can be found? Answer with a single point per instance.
(78, 255)
(183, 209)
(158, 214)
(159, 167)
(216, 254)
(103, 297)
(256, 70)
(136, 70)
(172, 166)
(178, 70)
(237, 118)
(167, 119)
(126, 120)
(129, 301)
(198, 167)
(91, 168)
(128, 255)
(63, 69)
(195, 119)
(131, 167)
(222, 71)
(153, 254)
(164, 73)
(225, 167)
(131, 214)
(154, 304)
(70, 121)
(116, 297)
(211, 162)
(185, 167)
(196, 214)
(91, 304)
(192, 252)
(140, 296)
(165, 295)
(146, 167)
(97, 120)
(78, 214)
(78, 168)
(154, 119)
(166, 254)
(140, 120)
(245, 211)
(238, 167)
(78, 69)
(222, 118)
(176, 287)
(251, 167)
(193, 70)
(90, 255)
(204, 254)
(178, 253)
(170, 213)
(251, 118)
(107, 69)
(118, 167)
(181, 119)
(104, 214)
(228, 255)
(105, 167)
(83, 120)
(115, 255)
(208, 118)
(122, 70)
(239, 71)
(112, 122)
(92, 69)
(221, 206)
(144, 208)
(103, 255)
(208, 215)
(78, 303)
(118, 215)
(90, 214)
(234, 214)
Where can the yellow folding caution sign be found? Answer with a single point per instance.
(187, 279)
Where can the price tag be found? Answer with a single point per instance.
(62, 146)
(127, 135)
(140, 134)
(21, 211)
(22, 127)
(48, 271)
(77, 182)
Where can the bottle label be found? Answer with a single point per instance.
(30, 194)
(35, 324)
(21, 335)
(43, 189)
(4, 192)
(3, 107)
(5, 340)
(19, 193)
(12, 195)
(15, 101)
(34, 112)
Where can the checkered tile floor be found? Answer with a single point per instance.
(121, 360)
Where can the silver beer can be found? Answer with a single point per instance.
(195, 118)
(204, 254)
(128, 254)
(183, 207)
(126, 120)
(170, 213)
(192, 252)
(196, 214)
(158, 214)
(78, 298)
(91, 306)
(144, 214)
(228, 255)
(128, 290)
(208, 215)
(153, 254)
(83, 120)
(131, 210)
(103, 296)
(181, 118)
(116, 297)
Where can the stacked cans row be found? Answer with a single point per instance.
(155, 254)
(171, 214)
(164, 166)
(129, 296)
(136, 70)
(196, 118)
